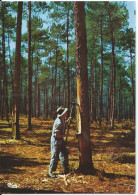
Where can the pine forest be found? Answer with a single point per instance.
(78, 55)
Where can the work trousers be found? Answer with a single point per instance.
(58, 150)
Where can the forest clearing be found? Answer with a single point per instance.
(25, 162)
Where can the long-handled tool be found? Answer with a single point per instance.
(69, 122)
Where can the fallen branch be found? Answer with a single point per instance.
(124, 184)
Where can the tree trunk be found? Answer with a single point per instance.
(59, 89)
(47, 102)
(35, 92)
(84, 143)
(38, 92)
(16, 102)
(68, 71)
(133, 92)
(11, 73)
(101, 79)
(92, 94)
(95, 95)
(29, 71)
(55, 81)
(112, 87)
(119, 105)
(5, 95)
(1, 97)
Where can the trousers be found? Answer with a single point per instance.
(58, 150)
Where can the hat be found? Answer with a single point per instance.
(61, 111)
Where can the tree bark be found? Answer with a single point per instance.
(119, 106)
(84, 143)
(55, 81)
(112, 87)
(101, 79)
(5, 97)
(133, 91)
(68, 71)
(29, 71)
(38, 91)
(92, 88)
(59, 89)
(16, 102)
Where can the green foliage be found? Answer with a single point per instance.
(49, 42)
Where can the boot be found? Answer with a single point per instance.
(51, 175)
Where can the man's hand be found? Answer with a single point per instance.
(69, 119)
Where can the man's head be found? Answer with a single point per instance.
(62, 112)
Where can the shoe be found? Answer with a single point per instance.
(51, 175)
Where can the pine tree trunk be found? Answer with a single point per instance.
(95, 95)
(55, 81)
(112, 87)
(133, 92)
(11, 73)
(59, 89)
(85, 163)
(47, 102)
(101, 79)
(64, 93)
(5, 94)
(38, 92)
(68, 71)
(35, 92)
(119, 107)
(16, 102)
(1, 92)
(92, 89)
(29, 71)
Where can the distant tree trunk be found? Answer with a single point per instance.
(95, 95)
(101, 79)
(59, 89)
(52, 93)
(92, 89)
(109, 96)
(5, 97)
(68, 71)
(38, 92)
(47, 102)
(16, 102)
(85, 163)
(11, 72)
(112, 87)
(119, 106)
(133, 91)
(29, 110)
(64, 86)
(35, 92)
(64, 91)
(55, 81)
(1, 92)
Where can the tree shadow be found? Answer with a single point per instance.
(10, 163)
(114, 175)
(5, 133)
(26, 191)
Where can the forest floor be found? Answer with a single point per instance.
(25, 162)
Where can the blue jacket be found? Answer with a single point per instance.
(59, 125)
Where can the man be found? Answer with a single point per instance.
(58, 147)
